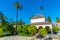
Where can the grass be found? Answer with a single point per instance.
(24, 34)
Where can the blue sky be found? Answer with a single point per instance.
(31, 7)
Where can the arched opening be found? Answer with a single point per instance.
(40, 27)
(48, 29)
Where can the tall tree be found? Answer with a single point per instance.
(31, 16)
(3, 18)
(41, 8)
(49, 19)
(21, 22)
(57, 19)
(18, 6)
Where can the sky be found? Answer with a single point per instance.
(31, 7)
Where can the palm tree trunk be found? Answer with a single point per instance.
(16, 19)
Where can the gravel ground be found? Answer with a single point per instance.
(55, 37)
(16, 38)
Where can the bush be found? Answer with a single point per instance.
(26, 30)
(23, 34)
(18, 29)
(32, 29)
(4, 28)
(1, 32)
(11, 29)
(55, 28)
(22, 30)
(43, 31)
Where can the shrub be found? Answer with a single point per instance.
(32, 29)
(11, 29)
(22, 30)
(26, 30)
(18, 28)
(42, 31)
(55, 28)
(1, 32)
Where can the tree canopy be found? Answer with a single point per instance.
(49, 19)
(41, 7)
(57, 19)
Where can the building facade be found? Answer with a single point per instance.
(40, 21)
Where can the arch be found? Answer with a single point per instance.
(40, 27)
(47, 27)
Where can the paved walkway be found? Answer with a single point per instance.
(16, 38)
(55, 37)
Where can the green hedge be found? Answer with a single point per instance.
(1, 32)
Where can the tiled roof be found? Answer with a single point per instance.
(41, 23)
(38, 16)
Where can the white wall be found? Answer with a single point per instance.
(50, 25)
(58, 25)
(38, 20)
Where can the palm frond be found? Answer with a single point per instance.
(41, 8)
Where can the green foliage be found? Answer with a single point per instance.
(32, 29)
(49, 19)
(42, 31)
(18, 28)
(3, 18)
(11, 29)
(23, 34)
(23, 30)
(41, 8)
(1, 32)
(55, 28)
(58, 28)
(21, 22)
(4, 27)
(31, 16)
(57, 19)
(26, 30)
(18, 5)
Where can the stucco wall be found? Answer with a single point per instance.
(38, 20)
(58, 24)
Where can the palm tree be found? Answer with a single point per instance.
(18, 6)
(31, 16)
(41, 8)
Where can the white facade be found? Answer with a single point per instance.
(38, 20)
(58, 24)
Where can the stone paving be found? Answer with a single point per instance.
(55, 37)
(17, 38)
